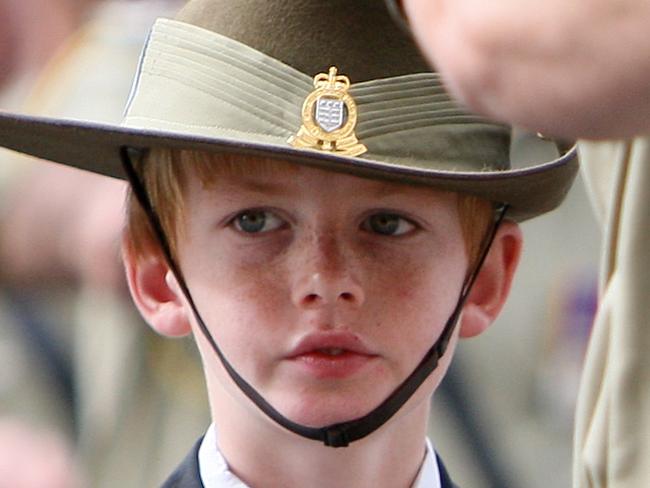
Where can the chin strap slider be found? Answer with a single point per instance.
(336, 437)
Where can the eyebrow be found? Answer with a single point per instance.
(375, 189)
(388, 189)
(256, 185)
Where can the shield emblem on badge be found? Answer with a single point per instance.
(330, 113)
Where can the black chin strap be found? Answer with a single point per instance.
(336, 435)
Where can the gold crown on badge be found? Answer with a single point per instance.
(329, 116)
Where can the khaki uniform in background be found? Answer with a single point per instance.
(140, 398)
(612, 437)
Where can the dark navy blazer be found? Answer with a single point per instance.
(187, 474)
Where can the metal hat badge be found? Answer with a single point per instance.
(329, 116)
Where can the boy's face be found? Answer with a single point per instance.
(323, 290)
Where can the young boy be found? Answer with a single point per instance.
(311, 206)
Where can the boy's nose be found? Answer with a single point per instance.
(318, 289)
(325, 276)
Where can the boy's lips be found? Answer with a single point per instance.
(331, 354)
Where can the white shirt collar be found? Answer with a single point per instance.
(216, 474)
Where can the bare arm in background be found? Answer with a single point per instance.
(572, 68)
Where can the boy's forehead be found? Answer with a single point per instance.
(275, 176)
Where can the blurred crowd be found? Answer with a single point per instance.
(88, 395)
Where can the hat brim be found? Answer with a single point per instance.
(94, 147)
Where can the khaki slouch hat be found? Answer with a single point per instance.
(254, 77)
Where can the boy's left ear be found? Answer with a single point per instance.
(492, 285)
(156, 293)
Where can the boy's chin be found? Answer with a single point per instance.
(324, 411)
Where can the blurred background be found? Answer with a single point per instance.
(504, 414)
(90, 397)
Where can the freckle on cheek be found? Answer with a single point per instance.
(405, 293)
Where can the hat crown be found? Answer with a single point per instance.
(359, 37)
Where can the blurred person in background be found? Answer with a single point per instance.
(32, 31)
(138, 384)
(576, 70)
(36, 424)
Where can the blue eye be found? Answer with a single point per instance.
(387, 224)
(256, 221)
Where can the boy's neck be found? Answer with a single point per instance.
(261, 453)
